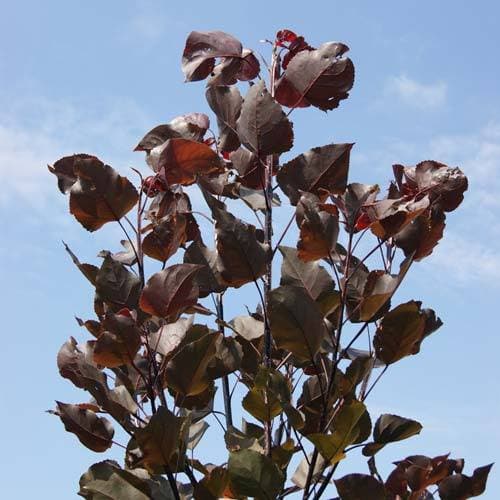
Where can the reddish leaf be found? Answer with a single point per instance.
(319, 229)
(170, 292)
(198, 59)
(182, 160)
(99, 194)
(421, 236)
(166, 237)
(321, 168)
(262, 126)
(96, 433)
(320, 77)
(191, 126)
(226, 103)
(251, 170)
(208, 277)
(243, 258)
(400, 332)
(119, 342)
(64, 170)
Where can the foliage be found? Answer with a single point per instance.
(161, 348)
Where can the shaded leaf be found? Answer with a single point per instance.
(251, 169)
(228, 356)
(119, 342)
(166, 237)
(400, 332)
(170, 292)
(186, 372)
(296, 321)
(64, 170)
(308, 275)
(460, 486)
(320, 77)
(226, 103)
(389, 429)
(161, 438)
(253, 474)
(116, 285)
(108, 481)
(208, 277)
(421, 236)
(255, 198)
(88, 270)
(359, 486)
(96, 433)
(262, 125)
(243, 258)
(321, 168)
(198, 58)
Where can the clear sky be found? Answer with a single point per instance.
(93, 76)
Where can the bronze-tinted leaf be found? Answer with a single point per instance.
(190, 126)
(321, 168)
(255, 199)
(99, 195)
(388, 217)
(170, 292)
(166, 237)
(460, 486)
(444, 185)
(400, 332)
(108, 481)
(358, 486)
(64, 170)
(116, 285)
(208, 277)
(243, 258)
(161, 438)
(262, 126)
(255, 475)
(119, 342)
(198, 58)
(251, 169)
(186, 372)
(320, 77)
(389, 429)
(96, 433)
(296, 321)
(355, 197)
(88, 270)
(75, 362)
(226, 103)
(421, 236)
(182, 160)
(319, 228)
(308, 275)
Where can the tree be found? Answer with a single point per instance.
(316, 344)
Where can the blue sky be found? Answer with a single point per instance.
(94, 76)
